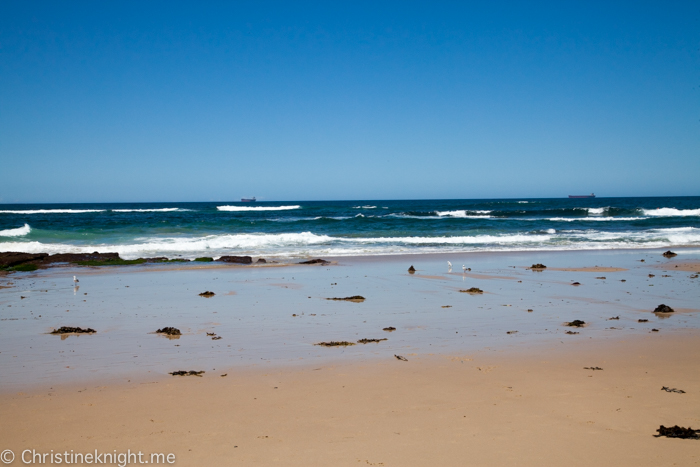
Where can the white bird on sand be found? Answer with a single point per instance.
(449, 265)
(75, 280)
(464, 268)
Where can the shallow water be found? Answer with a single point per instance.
(254, 306)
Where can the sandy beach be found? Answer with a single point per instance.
(492, 378)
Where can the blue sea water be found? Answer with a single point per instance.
(341, 228)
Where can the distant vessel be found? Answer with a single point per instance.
(248, 200)
(582, 196)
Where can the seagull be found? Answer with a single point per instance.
(449, 266)
(464, 269)
(75, 280)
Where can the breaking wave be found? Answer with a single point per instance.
(18, 232)
(671, 212)
(53, 211)
(257, 208)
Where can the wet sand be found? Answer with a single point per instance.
(472, 392)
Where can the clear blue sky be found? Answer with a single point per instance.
(200, 101)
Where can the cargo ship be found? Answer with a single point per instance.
(248, 200)
(582, 196)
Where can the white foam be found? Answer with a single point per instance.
(551, 231)
(671, 212)
(523, 202)
(256, 208)
(18, 232)
(595, 219)
(462, 213)
(53, 211)
(596, 211)
(150, 210)
(360, 215)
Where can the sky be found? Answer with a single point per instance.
(214, 101)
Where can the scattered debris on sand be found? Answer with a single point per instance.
(667, 389)
(529, 310)
(368, 341)
(69, 330)
(601, 277)
(169, 331)
(211, 334)
(335, 344)
(320, 261)
(216, 338)
(663, 309)
(642, 320)
(669, 254)
(678, 432)
(207, 294)
(575, 283)
(511, 332)
(399, 357)
(577, 323)
(652, 275)
(411, 270)
(354, 299)
(592, 368)
(538, 266)
(614, 317)
(654, 330)
(572, 332)
(187, 373)
(446, 306)
(389, 329)
(472, 290)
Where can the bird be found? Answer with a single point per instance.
(75, 280)
(464, 268)
(449, 266)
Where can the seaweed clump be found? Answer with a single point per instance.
(678, 432)
(208, 293)
(367, 341)
(577, 323)
(110, 262)
(538, 266)
(187, 373)
(473, 290)
(669, 254)
(389, 329)
(354, 298)
(70, 330)
(204, 259)
(170, 331)
(663, 309)
(335, 344)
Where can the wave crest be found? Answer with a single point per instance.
(18, 232)
(671, 212)
(257, 208)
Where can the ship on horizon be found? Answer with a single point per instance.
(248, 200)
(592, 195)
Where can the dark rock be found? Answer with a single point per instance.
(354, 298)
(169, 331)
(187, 373)
(678, 432)
(473, 290)
(389, 329)
(399, 357)
(614, 317)
(642, 320)
(575, 283)
(669, 254)
(79, 257)
(654, 330)
(335, 344)
(208, 293)
(601, 277)
(262, 260)
(663, 309)
(571, 332)
(538, 266)
(12, 258)
(236, 259)
(69, 330)
(367, 341)
(577, 323)
(411, 270)
(315, 261)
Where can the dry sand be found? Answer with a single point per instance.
(489, 408)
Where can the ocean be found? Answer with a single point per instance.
(343, 228)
